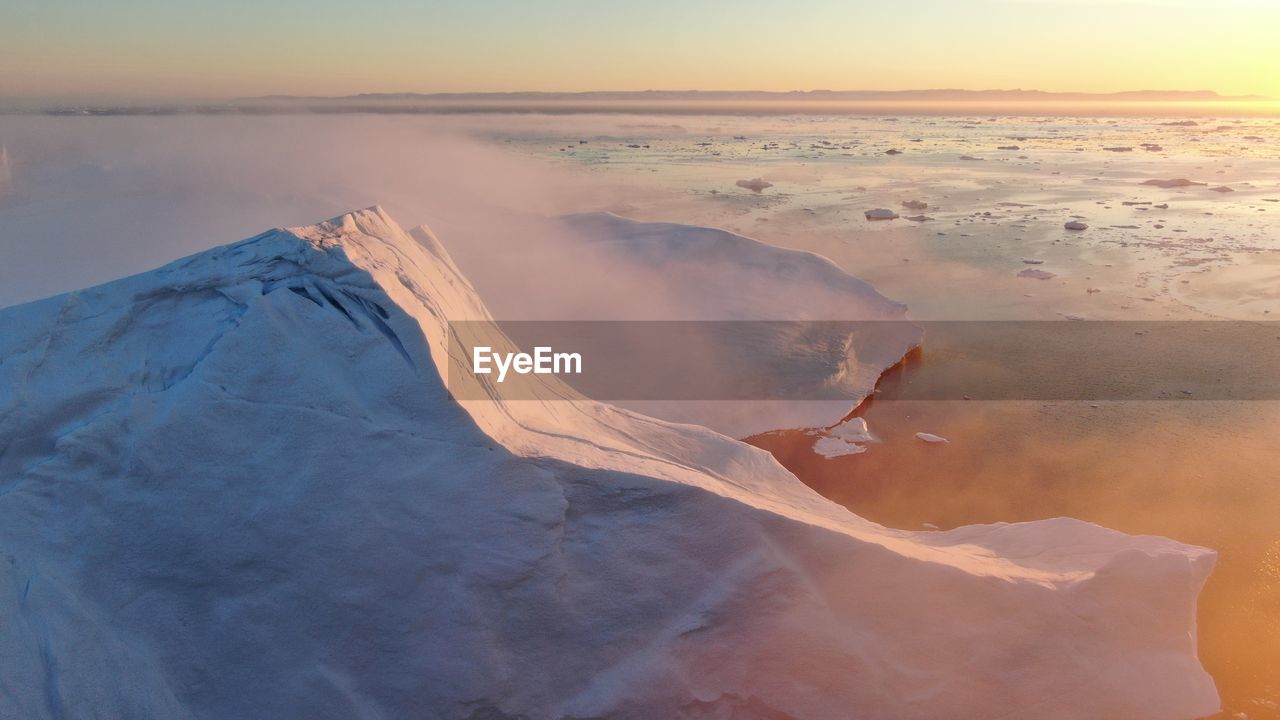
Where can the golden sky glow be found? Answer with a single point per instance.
(154, 49)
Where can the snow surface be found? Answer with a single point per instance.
(236, 487)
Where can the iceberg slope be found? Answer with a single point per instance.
(236, 486)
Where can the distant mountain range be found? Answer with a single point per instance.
(727, 102)
(940, 95)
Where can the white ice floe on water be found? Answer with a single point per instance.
(848, 438)
(237, 486)
(853, 430)
(830, 447)
(931, 438)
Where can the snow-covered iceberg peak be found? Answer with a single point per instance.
(237, 486)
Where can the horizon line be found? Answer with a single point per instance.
(1198, 95)
(1203, 93)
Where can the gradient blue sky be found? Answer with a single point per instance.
(178, 48)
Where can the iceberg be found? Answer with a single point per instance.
(708, 274)
(238, 487)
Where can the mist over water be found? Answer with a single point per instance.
(93, 199)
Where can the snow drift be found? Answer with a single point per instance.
(236, 487)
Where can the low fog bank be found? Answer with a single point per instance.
(87, 200)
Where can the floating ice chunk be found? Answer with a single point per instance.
(830, 447)
(847, 438)
(1173, 183)
(931, 438)
(1036, 274)
(854, 430)
(915, 204)
(754, 184)
(881, 214)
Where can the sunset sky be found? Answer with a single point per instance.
(184, 49)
